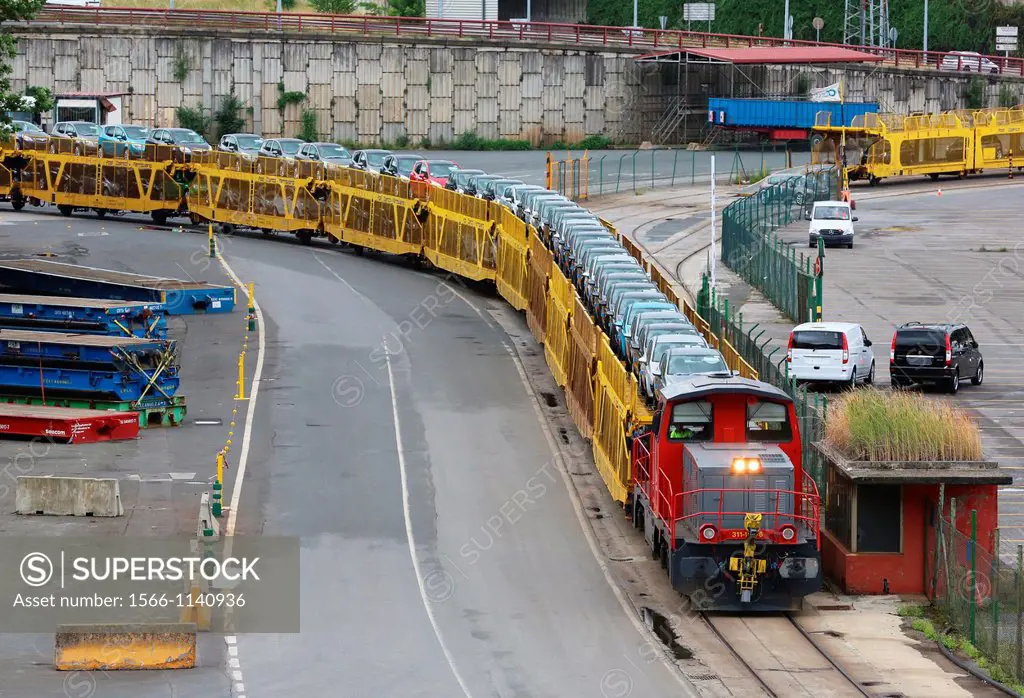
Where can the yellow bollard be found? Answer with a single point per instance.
(220, 467)
(213, 248)
(241, 376)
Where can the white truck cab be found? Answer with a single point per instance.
(832, 221)
(830, 352)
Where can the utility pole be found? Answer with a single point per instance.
(785, 22)
(636, 20)
(925, 47)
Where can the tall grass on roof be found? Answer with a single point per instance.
(900, 426)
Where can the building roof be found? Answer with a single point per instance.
(699, 386)
(766, 55)
(924, 472)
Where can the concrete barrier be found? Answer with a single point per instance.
(129, 646)
(68, 496)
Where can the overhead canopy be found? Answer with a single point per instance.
(763, 55)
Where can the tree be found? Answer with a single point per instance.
(331, 7)
(44, 100)
(229, 117)
(197, 119)
(12, 11)
(407, 8)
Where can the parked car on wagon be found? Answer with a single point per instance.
(369, 160)
(435, 172)
(28, 136)
(283, 148)
(330, 153)
(459, 179)
(650, 367)
(475, 184)
(492, 187)
(680, 363)
(940, 354)
(123, 139)
(185, 139)
(830, 352)
(400, 165)
(85, 134)
(245, 144)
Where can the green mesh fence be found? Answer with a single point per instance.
(980, 594)
(752, 249)
(770, 363)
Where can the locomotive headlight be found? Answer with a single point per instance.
(788, 533)
(708, 532)
(746, 465)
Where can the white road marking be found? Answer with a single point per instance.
(581, 517)
(409, 533)
(243, 454)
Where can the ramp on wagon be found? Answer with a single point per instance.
(67, 425)
(178, 296)
(83, 315)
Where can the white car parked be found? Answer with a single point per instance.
(830, 352)
(650, 365)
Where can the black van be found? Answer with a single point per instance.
(939, 354)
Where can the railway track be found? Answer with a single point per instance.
(782, 657)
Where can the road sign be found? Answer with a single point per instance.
(664, 21)
(699, 12)
(1006, 32)
(818, 23)
(1003, 44)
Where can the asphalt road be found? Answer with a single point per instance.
(161, 475)
(498, 592)
(501, 592)
(955, 257)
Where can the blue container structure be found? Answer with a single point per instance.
(178, 297)
(782, 119)
(74, 350)
(117, 386)
(87, 366)
(83, 315)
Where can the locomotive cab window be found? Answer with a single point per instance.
(768, 421)
(691, 421)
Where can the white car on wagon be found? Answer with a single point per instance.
(830, 352)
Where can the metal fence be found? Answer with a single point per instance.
(751, 248)
(770, 364)
(980, 594)
(587, 174)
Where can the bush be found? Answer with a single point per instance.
(229, 116)
(307, 131)
(195, 118)
(974, 93)
(900, 426)
(1007, 97)
(334, 7)
(471, 141)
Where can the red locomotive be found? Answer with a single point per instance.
(721, 496)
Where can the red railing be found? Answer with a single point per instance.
(545, 32)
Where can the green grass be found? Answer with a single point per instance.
(901, 426)
(925, 620)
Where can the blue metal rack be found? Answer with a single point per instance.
(21, 346)
(178, 297)
(83, 315)
(121, 386)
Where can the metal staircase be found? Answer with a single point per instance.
(670, 120)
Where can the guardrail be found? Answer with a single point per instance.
(519, 31)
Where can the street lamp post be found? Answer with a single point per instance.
(925, 47)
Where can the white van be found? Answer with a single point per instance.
(830, 352)
(832, 221)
